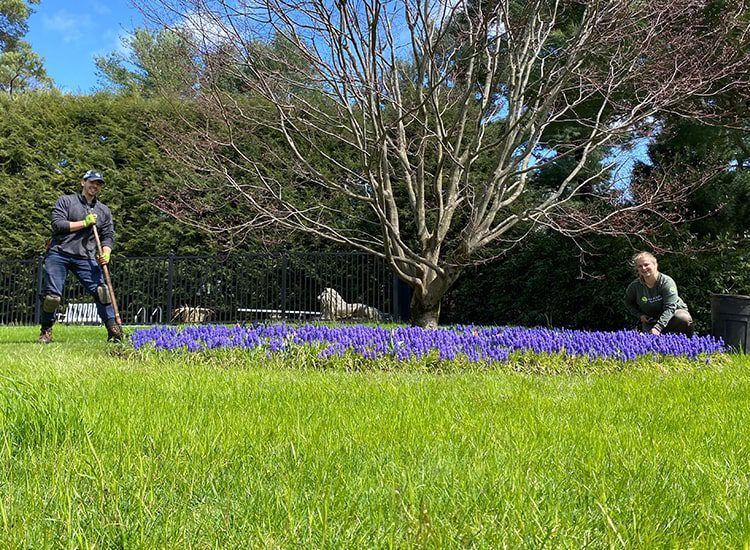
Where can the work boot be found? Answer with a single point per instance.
(45, 335)
(114, 332)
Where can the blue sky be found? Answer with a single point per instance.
(68, 34)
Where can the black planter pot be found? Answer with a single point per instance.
(730, 319)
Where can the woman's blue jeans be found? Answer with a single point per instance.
(56, 267)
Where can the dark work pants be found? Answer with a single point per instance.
(56, 267)
(680, 323)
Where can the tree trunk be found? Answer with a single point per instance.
(425, 301)
(425, 313)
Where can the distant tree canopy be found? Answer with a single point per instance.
(20, 66)
(14, 15)
(155, 63)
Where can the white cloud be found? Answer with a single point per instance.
(71, 27)
(100, 8)
(113, 41)
(205, 27)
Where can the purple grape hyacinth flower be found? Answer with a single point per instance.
(476, 344)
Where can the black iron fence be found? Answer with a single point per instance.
(226, 289)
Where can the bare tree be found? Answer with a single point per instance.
(446, 110)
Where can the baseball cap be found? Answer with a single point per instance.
(93, 175)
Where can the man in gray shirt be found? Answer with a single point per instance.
(73, 248)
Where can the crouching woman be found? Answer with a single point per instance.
(653, 298)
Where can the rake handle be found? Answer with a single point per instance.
(107, 279)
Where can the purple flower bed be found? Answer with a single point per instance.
(477, 344)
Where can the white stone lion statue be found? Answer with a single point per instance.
(187, 314)
(333, 307)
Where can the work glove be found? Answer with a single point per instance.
(89, 220)
(103, 258)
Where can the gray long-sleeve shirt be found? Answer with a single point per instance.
(659, 302)
(80, 244)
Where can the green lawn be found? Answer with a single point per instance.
(106, 448)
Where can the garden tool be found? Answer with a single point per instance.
(107, 279)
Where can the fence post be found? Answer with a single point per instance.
(39, 279)
(395, 313)
(284, 267)
(402, 299)
(170, 286)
